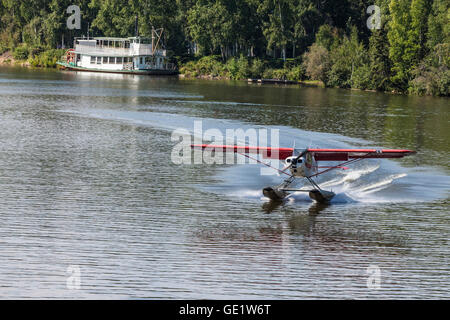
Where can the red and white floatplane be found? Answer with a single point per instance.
(303, 163)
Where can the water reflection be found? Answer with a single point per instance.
(314, 209)
(271, 205)
(317, 208)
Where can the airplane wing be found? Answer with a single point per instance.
(266, 152)
(319, 154)
(346, 154)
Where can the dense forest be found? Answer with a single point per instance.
(405, 50)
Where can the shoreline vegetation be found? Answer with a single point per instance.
(205, 68)
(399, 46)
(31, 57)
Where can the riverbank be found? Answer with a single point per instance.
(7, 58)
(308, 70)
(311, 83)
(252, 70)
(241, 68)
(31, 57)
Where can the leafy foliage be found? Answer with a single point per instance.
(294, 39)
(21, 53)
(317, 63)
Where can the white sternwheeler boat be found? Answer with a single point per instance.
(134, 55)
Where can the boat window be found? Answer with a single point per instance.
(119, 60)
(105, 59)
(141, 60)
(112, 60)
(99, 60)
(92, 59)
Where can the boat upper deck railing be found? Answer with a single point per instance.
(113, 40)
(140, 49)
(117, 46)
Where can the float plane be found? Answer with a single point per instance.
(303, 163)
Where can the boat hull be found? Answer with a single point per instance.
(67, 66)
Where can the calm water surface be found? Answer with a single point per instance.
(86, 183)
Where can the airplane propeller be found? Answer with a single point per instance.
(289, 165)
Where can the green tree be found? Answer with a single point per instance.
(326, 36)
(380, 63)
(420, 10)
(349, 59)
(210, 26)
(305, 21)
(432, 75)
(400, 50)
(438, 24)
(276, 25)
(115, 18)
(406, 38)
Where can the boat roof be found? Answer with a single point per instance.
(112, 38)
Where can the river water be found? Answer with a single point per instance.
(92, 206)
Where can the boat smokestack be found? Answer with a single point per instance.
(136, 29)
